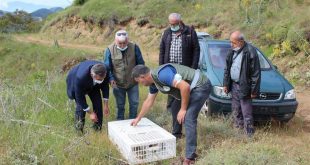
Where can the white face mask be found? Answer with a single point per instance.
(98, 81)
(122, 49)
(175, 28)
(236, 49)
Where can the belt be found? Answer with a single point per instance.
(235, 82)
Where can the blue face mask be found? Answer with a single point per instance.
(175, 28)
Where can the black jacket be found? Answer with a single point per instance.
(190, 47)
(250, 74)
(80, 83)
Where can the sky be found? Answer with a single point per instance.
(7, 4)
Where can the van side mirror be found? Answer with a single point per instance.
(275, 66)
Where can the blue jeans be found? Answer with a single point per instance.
(198, 97)
(133, 98)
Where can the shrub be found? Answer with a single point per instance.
(19, 21)
(279, 32)
(79, 2)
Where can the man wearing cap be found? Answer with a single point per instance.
(179, 44)
(185, 84)
(121, 57)
(88, 78)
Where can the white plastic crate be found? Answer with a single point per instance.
(143, 143)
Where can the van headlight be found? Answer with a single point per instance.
(289, 95)
(219, 91)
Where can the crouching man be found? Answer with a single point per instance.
(187, 85)
(88, 78)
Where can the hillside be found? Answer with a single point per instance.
(43, 13)
(280, 28)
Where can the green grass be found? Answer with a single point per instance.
(36, 120)
(281, 20)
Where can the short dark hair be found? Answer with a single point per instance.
(99, 69)
(139, 70)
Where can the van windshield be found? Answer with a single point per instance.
(218, 52)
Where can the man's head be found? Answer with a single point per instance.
(121, 39)
(237, 40)
(98, 73)
(142, 75)
(175, 22)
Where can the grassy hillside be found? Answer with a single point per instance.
(279, 28)
(36, 120)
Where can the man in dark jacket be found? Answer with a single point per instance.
(242, 78)
(179, 45)
(88, 78)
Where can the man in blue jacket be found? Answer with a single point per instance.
(88, 78)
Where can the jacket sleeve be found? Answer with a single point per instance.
(108, 63)
(80, 94)
(226, 79)
(139, 58)
(196, 49)
(162, 49)
(255, 72)
(105, 88)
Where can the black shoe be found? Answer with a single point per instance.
(79, 125)
(250, 131)
(96, 127)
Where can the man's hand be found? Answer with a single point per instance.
(113, 84)
(93, 117)
(106, 111)
(181, 116)
(253, 96)
(135, 121)
(225, 90)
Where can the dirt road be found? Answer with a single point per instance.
(31, 39)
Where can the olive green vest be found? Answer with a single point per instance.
(187, 74)
(123, 65)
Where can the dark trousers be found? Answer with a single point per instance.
(242, 110)
(95, 97)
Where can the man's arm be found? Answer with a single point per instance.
(146, 106)
(255, 74)
(226, 78)
(104, 87)
(196, 49)
(108, 63)
(184, 88)
(139, 58)
(162, 49)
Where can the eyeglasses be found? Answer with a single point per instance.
(121, 34)
(122, 43)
